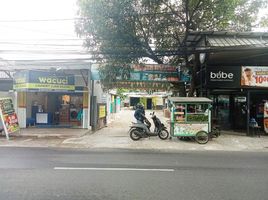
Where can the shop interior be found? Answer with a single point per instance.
(54, 109)
(230, 111)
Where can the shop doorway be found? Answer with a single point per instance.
(221, 111)
(149, 104)
(55, 109)
(239, 112)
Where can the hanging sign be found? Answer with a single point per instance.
(252, 76)
(157, 73)
(143, 85)
(139, 76)
(8, 116)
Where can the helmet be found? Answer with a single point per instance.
(140, 106)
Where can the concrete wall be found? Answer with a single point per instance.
(7, 94)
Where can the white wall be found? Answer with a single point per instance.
(159, 101)
(98, 92)
(7, 94)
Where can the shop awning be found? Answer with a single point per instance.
(190, 99)
(231, 48)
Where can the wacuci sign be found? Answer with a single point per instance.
(40, 80)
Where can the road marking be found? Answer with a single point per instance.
(112, 169)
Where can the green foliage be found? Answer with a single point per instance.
(264, 21)
(129, 31)
(197, 118)
(113, 71)
(120, 92)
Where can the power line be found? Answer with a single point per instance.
(35, 30)
(41, 44)
(39, 20)
(44, 39)
(81, 18)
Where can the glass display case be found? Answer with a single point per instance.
(190, 117)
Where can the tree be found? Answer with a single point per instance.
(129, 31)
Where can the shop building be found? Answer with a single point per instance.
(48, 98)
(232, 69)
(150, 102)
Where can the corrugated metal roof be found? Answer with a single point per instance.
(219, 41)
(3, 75)
(228, 39)
(190, 99)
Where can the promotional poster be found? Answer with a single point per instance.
(265, 117)
(8, 116)
(253, 76)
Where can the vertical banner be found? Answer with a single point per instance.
(8, 116)
(265, 117)
(85, 98)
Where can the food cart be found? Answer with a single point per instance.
(190, 117)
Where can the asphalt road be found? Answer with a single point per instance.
(71, 174)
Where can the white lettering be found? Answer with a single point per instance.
(221, 75)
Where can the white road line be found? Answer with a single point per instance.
(112, 169)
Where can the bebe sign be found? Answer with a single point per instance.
(221, 76)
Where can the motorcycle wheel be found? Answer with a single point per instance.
(163, 134)
(135, 134)
(201, 137)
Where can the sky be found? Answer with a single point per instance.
(37, 10)
(26, 36)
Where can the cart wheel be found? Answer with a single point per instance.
(201, 137)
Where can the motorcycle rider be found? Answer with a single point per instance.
(139, 113)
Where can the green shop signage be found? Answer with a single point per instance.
(39, 80)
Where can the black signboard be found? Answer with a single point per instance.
(223, 76)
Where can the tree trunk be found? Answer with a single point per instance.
(194, 70)
(193, 78)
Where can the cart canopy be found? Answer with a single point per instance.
(190, 99)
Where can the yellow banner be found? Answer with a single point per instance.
(102, 111)
(43, 86)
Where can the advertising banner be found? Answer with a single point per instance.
(265, 117)
(102, 111)
(157, 72)
(189, 129)
(253, 76)
(223, 76)
(39, 80)
(8, 116)
(143, 85)
(139, 76)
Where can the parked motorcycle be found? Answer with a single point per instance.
(142, 130)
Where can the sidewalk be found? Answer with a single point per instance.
(116, 136)
(41, 137)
